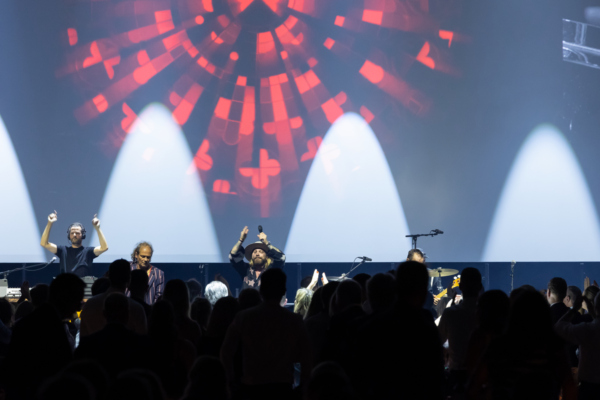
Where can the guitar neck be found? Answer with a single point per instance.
(441, 294)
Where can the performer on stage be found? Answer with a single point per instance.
(141, 256)
(75, 258)
(416, 255)
(261, 255)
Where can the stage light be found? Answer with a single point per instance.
(20, 236)
(546, 211)
(349, 204)
(156, 194)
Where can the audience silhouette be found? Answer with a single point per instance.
(368, 338)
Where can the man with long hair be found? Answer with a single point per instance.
(261, 255)
(140, 259)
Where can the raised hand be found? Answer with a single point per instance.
(314, 280)
(25, 289)
(324, 279)
(586, 282)
(263, 237)
(53, 217)
(96, 221)
(244, 234)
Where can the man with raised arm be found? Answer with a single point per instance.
(261, 256)
(75, 258)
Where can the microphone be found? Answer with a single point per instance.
(260, 229)
(366, 258)
(438, 231)
(53, 259)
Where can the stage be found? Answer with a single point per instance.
(496, 275)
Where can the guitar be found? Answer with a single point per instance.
(455, 284)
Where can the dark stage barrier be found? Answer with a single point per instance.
(495, 275)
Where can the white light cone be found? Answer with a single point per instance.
(349, 206)
(546, 212)
(20, 236)
(154, 195)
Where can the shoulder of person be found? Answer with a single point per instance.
(135, 306)
(95, 301)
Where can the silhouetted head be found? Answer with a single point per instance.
(222, 316)
(7, 312)
(306, 281)
(249, 298)
(328, 381)
(200, 311)
(348, 294)
(176, 292)
(470, 282)
(91, 371)
(327, 295)
(119, 274)
(116, 308)
(411, 283)
(100, 286)
(381, 291)
(516, 292)
(557, 290)
(273, 284)
(573, 295)
(23, 309)
(162, 321)
(194, 287)
(131, 385)
(529, 317)
(39, 294)
(207, 380)
(362, 279)
(66, 294)
(492, 311)
(138, 286)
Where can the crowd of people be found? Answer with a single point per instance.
(369, 337)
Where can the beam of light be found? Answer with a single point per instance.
(20, 236)
(546, 212)
(154, 195)
(349, 205)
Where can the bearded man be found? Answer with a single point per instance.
(261, 255)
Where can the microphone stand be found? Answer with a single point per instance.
(352, 268)
(433, 233)
(512, 275)
(25, 267)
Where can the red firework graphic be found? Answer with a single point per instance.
(257, 83)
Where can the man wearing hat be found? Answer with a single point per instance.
(261, 256)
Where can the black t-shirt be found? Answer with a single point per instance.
(76, 260)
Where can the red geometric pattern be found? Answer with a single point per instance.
(255, 84)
